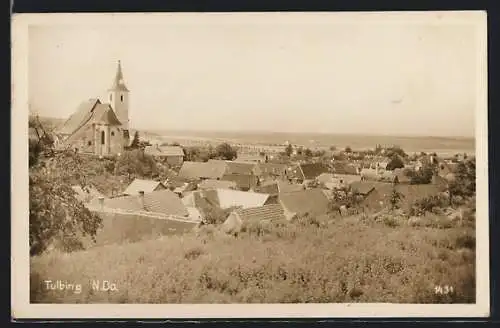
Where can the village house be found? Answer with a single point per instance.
(261, 214)
(99, 128)
(312, 202)
(147, 186)
(244, 182)
(171, 155)
(226, 198)
(270, 171)
(202, 170)
(217, 184)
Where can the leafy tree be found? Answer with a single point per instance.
(464, 184)
(225, 151)
(308, 152)
(135, 163)
(395, 150)
(395, 198)
(422, 176)
(395, 163)
(348, 149)
(289, 150)
(136, 141)
(333, 148)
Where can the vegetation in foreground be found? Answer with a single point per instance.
(353, 259)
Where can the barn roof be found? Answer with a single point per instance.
(142, 185)
(199, 170)
(266, 212)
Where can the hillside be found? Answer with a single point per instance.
(343, 260)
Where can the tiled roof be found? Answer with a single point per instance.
(284, 186)
(345, 168)
(79, 117)
(161, 201)
(103, 113)
(269, 187)
(312, 170)
(239, 168)
(312, 201)
(363, 187)
(235, 198)
(142, 185)
(325, 178)
(164, 151)
(270, 169)
(266, 212)
(242, 181)
(217, 184)
(199, 170)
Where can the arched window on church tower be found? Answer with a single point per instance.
(121, 98)
(111, 97)
(102, 138)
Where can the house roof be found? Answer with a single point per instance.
(345, 168)
(402, 177)
(325, 178)
(199, 170)
(347, 178)
(312, 201)
(118, 82)
(312, 170)
(370, 174)
(269, 169)
(161, 201)
(142, 185)
(363, 187)
(245, 157)
(243, 181)
(294, 172)
(79, 117)
(268, 187)
(165, 151)
(235, 198)
(266, 212)
(237, 167)
(217, 184)
(284, 186)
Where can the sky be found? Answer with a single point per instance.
(325, 73)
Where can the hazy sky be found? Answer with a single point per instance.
(223, 72)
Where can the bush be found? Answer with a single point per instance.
(427, 204)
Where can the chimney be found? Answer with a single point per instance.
(141, 199)
(101, 203)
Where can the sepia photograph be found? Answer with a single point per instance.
(250, 164)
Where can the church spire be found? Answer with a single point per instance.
(118, 82)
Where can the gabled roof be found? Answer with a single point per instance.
(266, 212)
(199, 170)
(268, 187)
(363, 187)
(217, 184)
(242, 181)
(235, 198)
(269, 169)
(345, 168)
(164, 151)
(142, 185)
(161, 201)
(312, 170)
(294, 172)
(104, 114)
(325, 178)
(284, 186)
(80, 117)
(311, 201)
(236, 167)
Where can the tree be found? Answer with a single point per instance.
(395, 150)
(308, 152)
(333, 148)
(289, 150)
(348, 149)
(395, 198)
(395, 163)
(136, 141)
(464, 184)
(225, 151)
(422, 176)
(135, 163)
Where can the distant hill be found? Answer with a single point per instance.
(50, 123)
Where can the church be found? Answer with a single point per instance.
(97, 127)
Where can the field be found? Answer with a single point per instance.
(350, 259)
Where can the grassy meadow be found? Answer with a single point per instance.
(341, 259)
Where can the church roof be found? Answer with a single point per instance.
(82, 115)
(103, 113)
(118, 82)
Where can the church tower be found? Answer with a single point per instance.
(118, 97)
